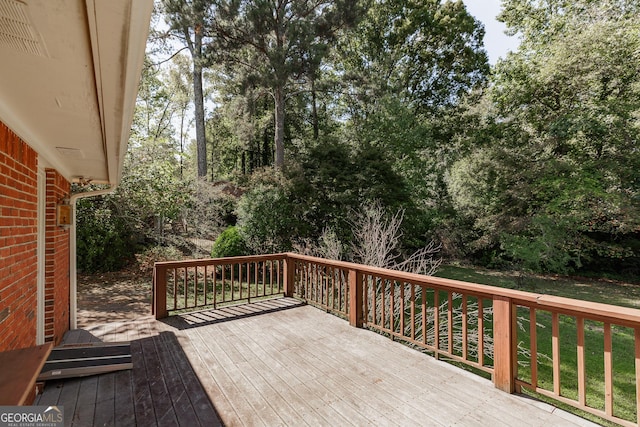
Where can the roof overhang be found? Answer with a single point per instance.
(69, 79)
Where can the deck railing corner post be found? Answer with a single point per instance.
(505, 344)
(289, 276)
(355, 298)
(159, 291)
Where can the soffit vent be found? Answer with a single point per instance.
(70, 153)
(17, 30)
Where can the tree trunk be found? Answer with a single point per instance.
(314, 111)
(279, 133)
(198, 98)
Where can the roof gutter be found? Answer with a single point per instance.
(73, 252)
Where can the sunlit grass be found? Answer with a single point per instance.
(604, 291)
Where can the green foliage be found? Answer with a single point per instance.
(276, 46)
(552, 178)
(157, 253)
(104, 241)
(544, 245)
(334, 180)
(229, 243)
(266, 213)
(428, 52)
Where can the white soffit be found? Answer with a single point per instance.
(69, 78)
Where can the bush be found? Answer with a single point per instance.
(267, 216)
(229, 243)
(153, 254)
(105, 241)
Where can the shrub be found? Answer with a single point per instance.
(105, 241)
(154, 254)
(229, 243)
(267, 216)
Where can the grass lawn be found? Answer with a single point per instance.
(603, 291)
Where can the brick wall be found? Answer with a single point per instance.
(18, 241)
(56, 305)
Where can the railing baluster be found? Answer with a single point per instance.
(413, 311)
(195, 286)
(464, 327)
(450, 321)
(333, 288)
(186, 289)
(355, 298)
(533, 346)
(324, 301)
(436, 322)
(271, 275)
(255, 277)
(248, 276)
(175, 288)
(365, 290)
(582, 398)
(608, 370)
(374, 298)
(215, 286)
(392, 306)
(383, 292)
(233, 282)
(480, 331)
(205, 284)
(401, 312)
(264, 277)
(278, 276)
(343, 290)
(424, 314)
(637, 351)
(555, 349)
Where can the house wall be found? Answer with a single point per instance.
(56, 301)
(19, 243)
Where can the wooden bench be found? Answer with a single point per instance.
(19, 370)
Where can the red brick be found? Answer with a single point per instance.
(18, 247)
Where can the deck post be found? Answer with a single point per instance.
(355, 298)
(160, 291)
(289, 276)
(504, 344)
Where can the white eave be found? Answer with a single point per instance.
(69, 78)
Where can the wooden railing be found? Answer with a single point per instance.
(501, 332)
(203, 283)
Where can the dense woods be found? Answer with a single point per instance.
(295, 122)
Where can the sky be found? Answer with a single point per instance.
(496, 42)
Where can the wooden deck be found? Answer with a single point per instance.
(280, 363)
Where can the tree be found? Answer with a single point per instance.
(189, 22)
(428, 52)
(279, 45)
(560, 168)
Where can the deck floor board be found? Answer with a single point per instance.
(278, 362)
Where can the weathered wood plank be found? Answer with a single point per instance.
(285, 367)
(340, 382)
(155, 377)
(143, 404)
(105, 401)
(125, 414)
(86, 403)
(69, 399)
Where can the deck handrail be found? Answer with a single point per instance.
(466, 322)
